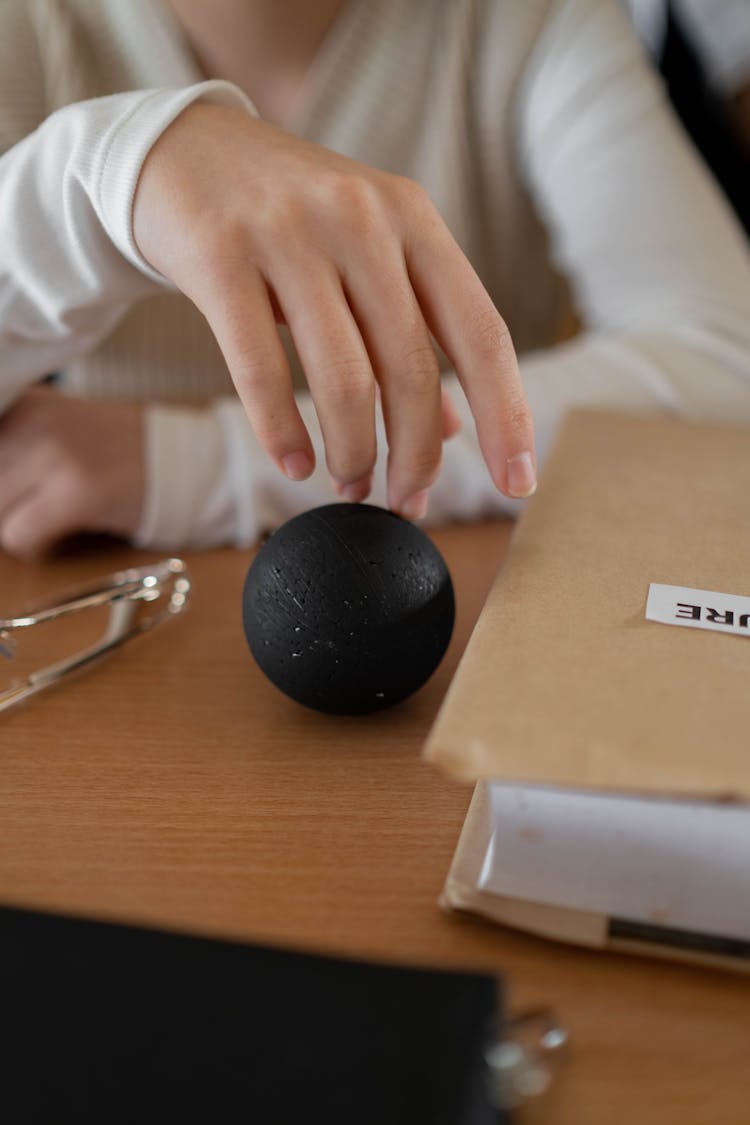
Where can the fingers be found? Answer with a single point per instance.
(337, 366)
(470, 330)
(406, 367)
(239, 309)
(349, 343)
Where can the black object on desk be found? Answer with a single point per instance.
(348, 608)
(109, 1024)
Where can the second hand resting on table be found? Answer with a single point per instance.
(67, 465)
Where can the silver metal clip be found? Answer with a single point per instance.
(166, 584)
(523, 1061)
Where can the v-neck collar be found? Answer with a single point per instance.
(348, 57)
(163, 56)
(318, 80)
(158, 53)
(352, 63)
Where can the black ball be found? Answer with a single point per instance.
(348, 608)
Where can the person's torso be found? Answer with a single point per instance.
(425, 88)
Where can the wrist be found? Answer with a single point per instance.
(125, 148)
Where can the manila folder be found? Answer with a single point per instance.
(564, 682)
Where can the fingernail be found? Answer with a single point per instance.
(355, 491)
(297, 465)
(521, 476)
(414, 507)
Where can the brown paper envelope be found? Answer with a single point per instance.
(564, 681)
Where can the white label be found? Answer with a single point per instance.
(699, 609)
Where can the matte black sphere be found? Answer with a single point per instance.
(348, 608)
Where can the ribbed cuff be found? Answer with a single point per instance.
(247, 465)
(188, 495)
(126, 145)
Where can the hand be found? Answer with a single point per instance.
(68, 465)
(257, 227)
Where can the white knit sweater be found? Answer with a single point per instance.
(538, 131)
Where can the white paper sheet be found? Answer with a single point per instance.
(669, 863)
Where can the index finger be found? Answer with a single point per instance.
(474, 336)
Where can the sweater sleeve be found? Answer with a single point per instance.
(69, 266)
(659, 269)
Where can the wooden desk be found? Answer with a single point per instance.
(172, 786)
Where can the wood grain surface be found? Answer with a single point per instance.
(172, 786)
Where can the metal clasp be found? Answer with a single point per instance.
(165, 585)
